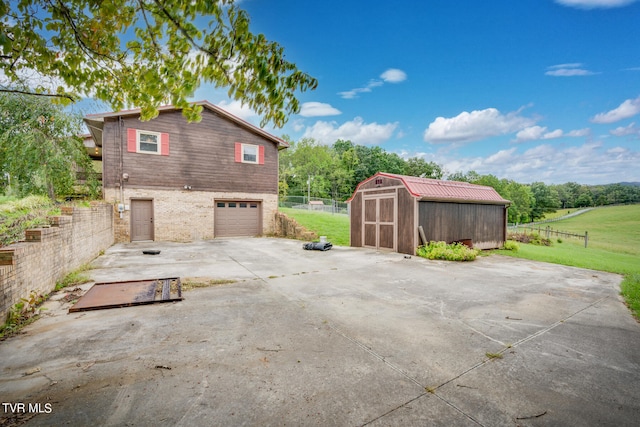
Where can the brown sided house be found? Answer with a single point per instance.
(180, 181)
(387, 209)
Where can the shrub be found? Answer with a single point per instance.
(511, 245)
(532, 238)
(443, 251)
(16, 216)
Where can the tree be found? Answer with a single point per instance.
(546, 199)
(145, 53)
(521, 198)
(416, 166)
(39, 150)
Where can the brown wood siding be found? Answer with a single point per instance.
(201, 155)
(356, 221)
(456, 221)
(406, 222)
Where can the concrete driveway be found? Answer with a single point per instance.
(348, 337)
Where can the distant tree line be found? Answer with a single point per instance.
(334, 171)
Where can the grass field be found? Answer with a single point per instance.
(335, 227)
(614, 242)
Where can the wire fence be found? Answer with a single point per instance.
(314, 204)
(547, 232)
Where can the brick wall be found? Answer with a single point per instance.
(48, 254)
(183, 216)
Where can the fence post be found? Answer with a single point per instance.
(586, 238)
(547, 233)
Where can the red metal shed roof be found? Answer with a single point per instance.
(435, 189)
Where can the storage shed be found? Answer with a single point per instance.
(387, 209)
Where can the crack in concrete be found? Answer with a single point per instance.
(399, 370)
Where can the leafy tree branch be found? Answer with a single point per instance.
(145, 53)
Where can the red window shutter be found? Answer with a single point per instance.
(132, 136)
(261, 155)
(238, 152)
(164, 144)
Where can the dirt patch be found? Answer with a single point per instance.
(189, 283)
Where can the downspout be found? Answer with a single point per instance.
(121, 161)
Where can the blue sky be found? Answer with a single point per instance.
(529, 90)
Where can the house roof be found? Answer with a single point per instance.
(95, 121)
(449, 191)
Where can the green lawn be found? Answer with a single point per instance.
(334, 226)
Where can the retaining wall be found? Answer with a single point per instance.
(289, 227)
(48, 254)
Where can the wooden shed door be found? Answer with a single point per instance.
(379, 222)
(141, 220)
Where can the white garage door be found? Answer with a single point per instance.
(237, 218)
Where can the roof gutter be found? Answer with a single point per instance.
(471, 201)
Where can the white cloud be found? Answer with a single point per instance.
(628, 108)
(592, 4)
(631, 129)
(500, 157)
(568, 70)
(353, 93)
(393, 75)
(356, 131)
(579, 132)
(535, 133)
(589, 163)
(317, 109)
(553, 134)
(531, 133)
(474, 126)
(237, 109)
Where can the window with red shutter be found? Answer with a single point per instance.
(148, 142)
(249, 153)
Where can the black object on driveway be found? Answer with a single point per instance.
(317, 246)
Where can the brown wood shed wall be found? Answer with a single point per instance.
(386, 215)
(450, 222)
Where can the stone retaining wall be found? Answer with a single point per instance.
(48, 254)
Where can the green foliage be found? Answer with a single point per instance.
(76, 277)
(335, 171)
(630, 290)
(511, 245)
(40, 151)
(532, 238)
(447, 252)
(493, 356)
(16, 216)
(146, 53)
(531, 202)
(22, 313)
